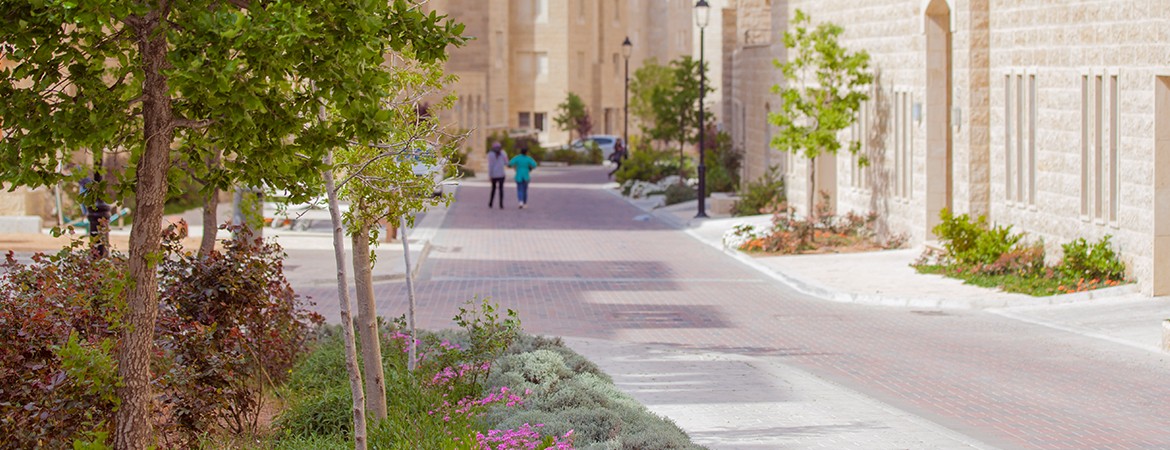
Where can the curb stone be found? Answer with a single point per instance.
(819, 291)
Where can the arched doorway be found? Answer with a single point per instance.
(939, 178)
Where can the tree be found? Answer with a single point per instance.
(573, 115)
(676, 106)
(647, 80)
(823, 93)
(130, 76)
(380, 183)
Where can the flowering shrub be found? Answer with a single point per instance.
(440, 405)
(790, 235)
(524, 437)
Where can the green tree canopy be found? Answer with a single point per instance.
(823, 91)
(573, 116)
(647, 79)
(246, 76)
(671, 94)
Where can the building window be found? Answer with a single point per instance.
(581, 11)
(538, 118)
(617, 11)
(540, 11)
(1100, 146)
(541, 66)
(499, 46)
(525, 120)
(859, 133)
(1114, 148)
(617, 65)
(1020, 137)
(903, 150)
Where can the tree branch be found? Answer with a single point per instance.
(188, 123)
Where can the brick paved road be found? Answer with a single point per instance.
(577, 263)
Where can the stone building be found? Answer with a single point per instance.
(529, 54)
(23, 209)
(1052, 117)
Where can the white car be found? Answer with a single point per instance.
(605, 142)
(426, 163)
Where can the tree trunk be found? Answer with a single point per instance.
(133, 428)
(812, 188)
(210, 224)
(375, 378)
(351, 365)
(412, 350)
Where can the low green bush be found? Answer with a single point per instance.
(570, 393)
(973, 241)
(1091, 261)
(228, 327)
(647, 164)
(993, 256)
(591, 155)
(723, 162)
(439, 405)
(763, 195)
(678, 193)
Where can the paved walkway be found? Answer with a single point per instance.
(740, 358)
(828, 351)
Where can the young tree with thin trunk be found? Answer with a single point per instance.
(573, 116)
(380, 182)
(823, 91)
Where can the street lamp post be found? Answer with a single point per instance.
(702, 14)
(627, 48)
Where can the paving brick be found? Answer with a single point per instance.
(577, 264)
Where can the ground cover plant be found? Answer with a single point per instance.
(993, 256)
(568, 392)
(824, 232)
(483, 385)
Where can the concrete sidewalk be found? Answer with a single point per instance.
(1121, 314)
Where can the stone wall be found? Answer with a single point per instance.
(1011, 131)
(1061, 45)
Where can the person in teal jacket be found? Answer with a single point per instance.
(523, 165)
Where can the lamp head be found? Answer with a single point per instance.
(702, 13)
(627, 47)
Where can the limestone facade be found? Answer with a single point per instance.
(529, 54)
(1052, 117)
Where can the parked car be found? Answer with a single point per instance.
(605, 142)
(425, 165)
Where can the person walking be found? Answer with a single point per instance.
(497, 159)
(524, 165)
(619, 153)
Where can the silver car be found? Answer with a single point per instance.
(605, 142)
